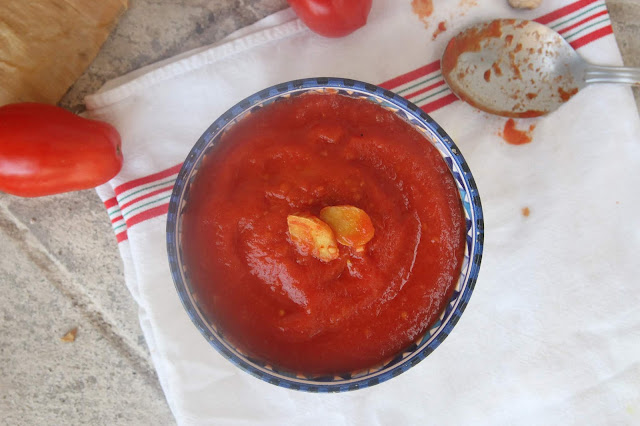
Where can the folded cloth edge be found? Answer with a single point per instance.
(280, 25)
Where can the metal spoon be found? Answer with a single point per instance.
(518, 68)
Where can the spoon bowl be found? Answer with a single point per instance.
(519, 68)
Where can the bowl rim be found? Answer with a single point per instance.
(456, 305)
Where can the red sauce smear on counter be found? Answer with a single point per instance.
(294, 311)
(514, 136)
(442, 27)
(423, 9)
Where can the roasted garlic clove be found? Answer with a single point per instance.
(312, 236)
(352, 226)
(525, 4)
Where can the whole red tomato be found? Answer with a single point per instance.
(332, 18)
(47, 150)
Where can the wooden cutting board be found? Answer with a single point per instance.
(45, 45)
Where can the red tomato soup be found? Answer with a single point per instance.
(293, 310)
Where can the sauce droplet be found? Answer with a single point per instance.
(442, 27)
(565, 95)
(497, 69)
(515, 136)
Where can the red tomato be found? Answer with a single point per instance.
(47, 150)
(332, 18)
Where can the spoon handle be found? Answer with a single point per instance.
(604, 74)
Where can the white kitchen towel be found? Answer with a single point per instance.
(552, 331)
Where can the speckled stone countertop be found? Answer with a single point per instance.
(60, 267)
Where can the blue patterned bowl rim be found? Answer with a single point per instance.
(469, 196)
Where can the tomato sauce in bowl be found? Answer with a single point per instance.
(290, 309)
(325, 234)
